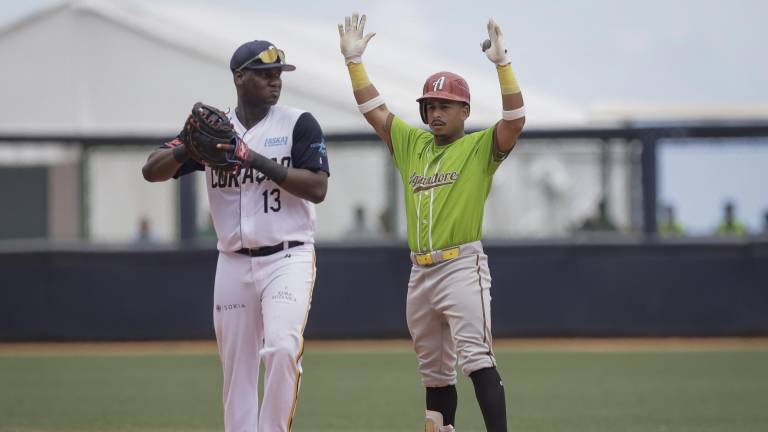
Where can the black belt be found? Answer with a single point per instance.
(268, 250)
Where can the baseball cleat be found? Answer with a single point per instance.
(433, 422)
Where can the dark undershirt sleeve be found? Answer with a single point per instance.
(190, 165)
(308, 151)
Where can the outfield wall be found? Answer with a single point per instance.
(568, 289)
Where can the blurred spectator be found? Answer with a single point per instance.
(207, 231)
(385, 222)
(730, 226)
(600, 221)
(668, 225)
(360, 229)
(144, 234)
(765, 223)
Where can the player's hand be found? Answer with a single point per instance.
(493, 47)
(353, 42)
(239, 152)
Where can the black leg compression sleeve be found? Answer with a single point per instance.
(490, 396)
(443, 400)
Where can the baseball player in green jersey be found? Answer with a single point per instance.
(447, 176)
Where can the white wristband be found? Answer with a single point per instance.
(353, 59)
(371, 105)
(513, 114)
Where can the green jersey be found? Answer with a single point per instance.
(445, 186)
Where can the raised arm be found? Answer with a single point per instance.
(369, 102)
(513, 110)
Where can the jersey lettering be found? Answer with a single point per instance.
(276, 141)
(420, 183)
(221, 179)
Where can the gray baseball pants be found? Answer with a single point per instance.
(448, 311)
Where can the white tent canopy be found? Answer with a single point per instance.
(127, 67)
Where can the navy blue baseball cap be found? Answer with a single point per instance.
(258, 54)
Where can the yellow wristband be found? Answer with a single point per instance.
(358, 75)
(507, 80)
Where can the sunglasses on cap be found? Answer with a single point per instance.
(268, 56)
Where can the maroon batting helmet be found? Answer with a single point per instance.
(443, 85)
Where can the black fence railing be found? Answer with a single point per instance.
(619, 289)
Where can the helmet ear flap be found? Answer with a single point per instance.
(423, 111)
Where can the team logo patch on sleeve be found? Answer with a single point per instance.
(320, 147)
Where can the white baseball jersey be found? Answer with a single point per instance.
(248, 209)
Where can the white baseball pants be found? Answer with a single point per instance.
(260, 309)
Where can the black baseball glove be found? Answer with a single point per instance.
(207, 127)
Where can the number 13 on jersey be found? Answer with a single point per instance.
(271, 200)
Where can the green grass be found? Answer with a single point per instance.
(699, 391)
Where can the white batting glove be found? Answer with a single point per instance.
(493, 47)
(353, 42)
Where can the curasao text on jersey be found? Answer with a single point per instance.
(228, 179)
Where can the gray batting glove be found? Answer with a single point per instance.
(353, 42)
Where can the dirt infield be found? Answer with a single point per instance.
(553, 344)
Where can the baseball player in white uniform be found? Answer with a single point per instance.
(264, 217)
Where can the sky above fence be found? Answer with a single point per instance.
(586, 52)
